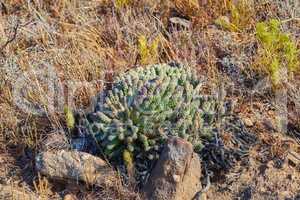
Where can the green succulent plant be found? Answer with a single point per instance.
(145, 106)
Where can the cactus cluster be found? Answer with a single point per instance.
(146, 105)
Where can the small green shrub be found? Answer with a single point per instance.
(148, 51)
(278, 50)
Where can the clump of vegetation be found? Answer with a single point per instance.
(145, 106)
(69, 117)
(128, 162)
(148, 51)
(279, 53)
(122, 3)
(241, 14)
(224, 22)
(187, 7)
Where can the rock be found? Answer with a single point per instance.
(70, 197)
(12, 192)
(248, 122)
(177, 173)
(180, 21)
(75, 166)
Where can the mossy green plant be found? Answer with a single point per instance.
(279, 53)
(145, 106)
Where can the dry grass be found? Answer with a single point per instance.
(85, 43)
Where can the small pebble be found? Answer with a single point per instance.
(248, 122)
(69, 197)
(176, 178)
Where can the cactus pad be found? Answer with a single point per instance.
(146, 105)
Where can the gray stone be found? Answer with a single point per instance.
(248, 122)
(177, 173)
(75, 166)
(180, 21)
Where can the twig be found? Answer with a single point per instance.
(3, 8)
(198, 195)
(291, 19)
(15, 32)
(14, 36)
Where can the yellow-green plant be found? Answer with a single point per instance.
(279, 52)
(241, 14)
(148, 51)
(224, 22)
(128, 161)
(70, 120)
(122, 3)
(127, 157)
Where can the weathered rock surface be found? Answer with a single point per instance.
(181, 22)
(75, 166)
(177, 173)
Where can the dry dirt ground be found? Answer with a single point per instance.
(90, 41)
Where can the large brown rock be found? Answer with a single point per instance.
(177, 173)
(75, 166)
